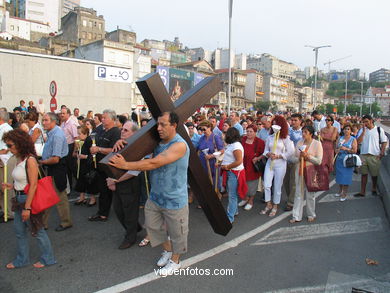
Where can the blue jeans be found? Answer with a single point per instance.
(232, 185)
(21, 231)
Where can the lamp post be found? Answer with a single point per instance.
(315, 49)
(361, 97)
(346, 91)
(230, 56)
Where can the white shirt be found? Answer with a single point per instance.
(19, 175)
(337, 125)
(370, 143)
(284, 147)
(229, 158)
(5, 127)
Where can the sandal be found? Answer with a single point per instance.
(80, 202)
(38, 265)
(144, 242)
(265, 210)
(97, 218)
(10, 266)
(292, 221)
(273, 212)
(311, 219)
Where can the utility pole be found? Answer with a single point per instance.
(315, 49)
(361, 97)
(230, 56)
(346, 91)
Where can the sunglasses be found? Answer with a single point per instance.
(202, 129)
(10, 145)
(328, 120)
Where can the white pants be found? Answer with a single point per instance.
(300, 198)
(277, 175)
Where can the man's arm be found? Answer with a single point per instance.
(50, 161)
(172, 154)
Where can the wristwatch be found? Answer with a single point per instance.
(27, 209)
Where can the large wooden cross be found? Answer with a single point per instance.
(145, 140)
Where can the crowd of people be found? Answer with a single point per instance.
(242, 154)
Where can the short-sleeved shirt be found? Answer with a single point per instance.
(107, 139)
(263, 133)
(238, 126)
(229, 158)
(295, 135)
(70, 130)
(56, 145)
(370, 143)
(5, 127)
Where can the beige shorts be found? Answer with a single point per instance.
(370, 165)
(162, 222)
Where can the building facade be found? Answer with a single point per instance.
(381, 75)
(44, 11)
(68, 6)
(82, 26)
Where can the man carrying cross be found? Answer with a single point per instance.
(166, 211)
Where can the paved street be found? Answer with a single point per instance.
(265, 254)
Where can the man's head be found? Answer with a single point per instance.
(235, 117)
(65, 114)
(108, 118)
(76, 112)
(316, 115)
(128, 129)
(166, 125)
(296, 120)
(4, 116)
(368, 121)
(49, 121)
(266, 122)
(213, 121)
(191, 128)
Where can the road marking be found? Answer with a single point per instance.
(331, 197)
(205, 255)
(316, 231)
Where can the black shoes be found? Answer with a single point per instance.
(60, 228)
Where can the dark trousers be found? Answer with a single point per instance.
(125, 201)
(105, 197)
(70, 164)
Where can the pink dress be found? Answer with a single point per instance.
(328, 147)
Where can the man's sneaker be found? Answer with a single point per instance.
(337, 195)
(242, 203)
(164, 259)
(169, 268)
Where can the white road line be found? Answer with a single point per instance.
(316, 231)
(331, 197)
(205, 255)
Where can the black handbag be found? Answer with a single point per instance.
(351, 161)
(260, 165)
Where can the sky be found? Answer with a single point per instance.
(281, 28)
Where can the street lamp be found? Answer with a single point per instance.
(315, 49)
(230, 56)
(361, 97)
(346, 91)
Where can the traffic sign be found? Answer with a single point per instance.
(53, 104)
(53, 89)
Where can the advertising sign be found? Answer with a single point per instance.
(113, 74)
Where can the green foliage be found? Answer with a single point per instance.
(263, 106)
(337, 89)
(326, 108)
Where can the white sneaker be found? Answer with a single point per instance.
(242, 203)
(169, 268)
(337, 195)
(343, 198)
(164, 259)
(248, 207)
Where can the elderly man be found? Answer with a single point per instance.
(166, 211)
(69, 127)
(235, 117)
(53, 159)
(7, 158)
(105, 141)
(264, 132)
(126, 194)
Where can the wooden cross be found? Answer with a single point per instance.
(145, 140)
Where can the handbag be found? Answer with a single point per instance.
(316, 178)
(350, 161)
(45, 196)
(260, 165)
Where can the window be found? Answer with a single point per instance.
(12, 27)
(100, 26)
(89, 36)
(90, 23)
(36, 4)
(84, 22)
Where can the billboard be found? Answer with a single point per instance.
(178, 81)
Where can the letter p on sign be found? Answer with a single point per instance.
(102, 72)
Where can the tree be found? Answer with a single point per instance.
(263, 105)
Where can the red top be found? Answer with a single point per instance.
(249, 154)
(220, 125)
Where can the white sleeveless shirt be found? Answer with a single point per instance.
(19, 175)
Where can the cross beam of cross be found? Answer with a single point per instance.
(146, 139)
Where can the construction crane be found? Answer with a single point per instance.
(336, 60)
